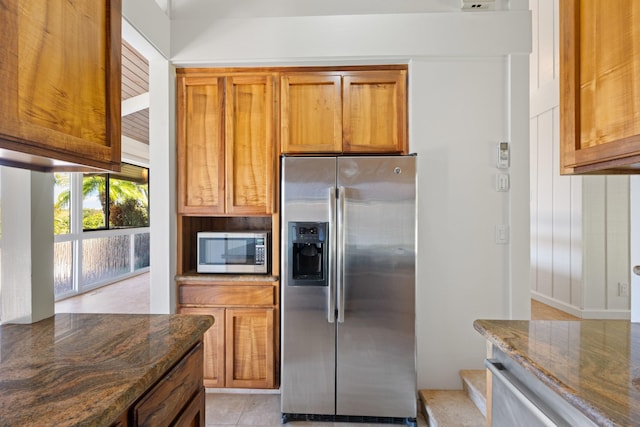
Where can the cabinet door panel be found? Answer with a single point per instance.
(250, 348)
(250, 146)
(213, 360)
(60, 67)
(374, 106)
(201, 168)
(194, 413)
(599, 85)
(311, 113)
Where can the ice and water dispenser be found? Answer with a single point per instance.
(308, 253)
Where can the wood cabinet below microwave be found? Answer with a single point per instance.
(240, 349)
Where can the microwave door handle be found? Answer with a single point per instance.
(340, 246)
(331, 292)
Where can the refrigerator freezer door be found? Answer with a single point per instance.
(308, 338)
(375, 359)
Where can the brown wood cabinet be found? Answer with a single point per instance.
(599, 86)
(165, 402)
(60, 68)
(177, 399)
(240, 349)
(214, 353)
(250, 361)
(226, 144)
(357, 111)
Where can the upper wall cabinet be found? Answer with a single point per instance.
(599, 86)
(60, 85)
(358, 111)
(226, 151)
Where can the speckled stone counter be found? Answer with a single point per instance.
(86, 369)
(192, 276)
(592, 364)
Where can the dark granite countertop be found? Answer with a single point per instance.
(87, 369)
(193, 276)
(592, 364)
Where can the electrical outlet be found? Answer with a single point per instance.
(623, 289)
(478, 4)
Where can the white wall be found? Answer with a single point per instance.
(462, 273)
(147, 29)
(27, 246)
(579, 225)
(468, 90)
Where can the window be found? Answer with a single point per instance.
(101, 225)
(62, 205)
(116, 200)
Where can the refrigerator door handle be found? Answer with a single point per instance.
(340, 245)
(331, 294)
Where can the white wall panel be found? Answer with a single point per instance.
(348, 37)
(150, 21)
(617, 210)
(533, 201)
(535, 47)
(561, 220)
(545, 204)
(594, 217)
(547, 49)
(577, 244)
(462, 274)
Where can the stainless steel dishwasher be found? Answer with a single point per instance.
(518, 398)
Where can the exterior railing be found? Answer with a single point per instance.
(89, 260)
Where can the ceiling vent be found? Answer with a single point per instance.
(477, 5)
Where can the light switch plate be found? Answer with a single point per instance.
(502, 182)
(502, 234)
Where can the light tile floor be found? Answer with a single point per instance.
(231, 409)
(127, 296)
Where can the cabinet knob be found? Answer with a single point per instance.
(636, 270)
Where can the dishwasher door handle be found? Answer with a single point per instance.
(499, 373)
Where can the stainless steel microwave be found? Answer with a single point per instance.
(233, 252)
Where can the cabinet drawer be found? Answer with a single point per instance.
(223, 295)
(193, 414)
(165, 401)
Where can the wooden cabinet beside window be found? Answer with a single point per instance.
(226, 144)
(599, 86)
(240, 348)
(357, 111)
(60, 67)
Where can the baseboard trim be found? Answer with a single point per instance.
(242, 390)
(583, 314)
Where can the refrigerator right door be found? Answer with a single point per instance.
(376, 362)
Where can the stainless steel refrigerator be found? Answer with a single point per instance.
(348, 288)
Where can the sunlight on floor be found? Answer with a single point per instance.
(127, 296)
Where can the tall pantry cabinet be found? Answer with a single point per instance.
(227, 166)
(233, 124)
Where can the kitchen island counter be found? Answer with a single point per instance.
(594, 365)
(88, 369)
